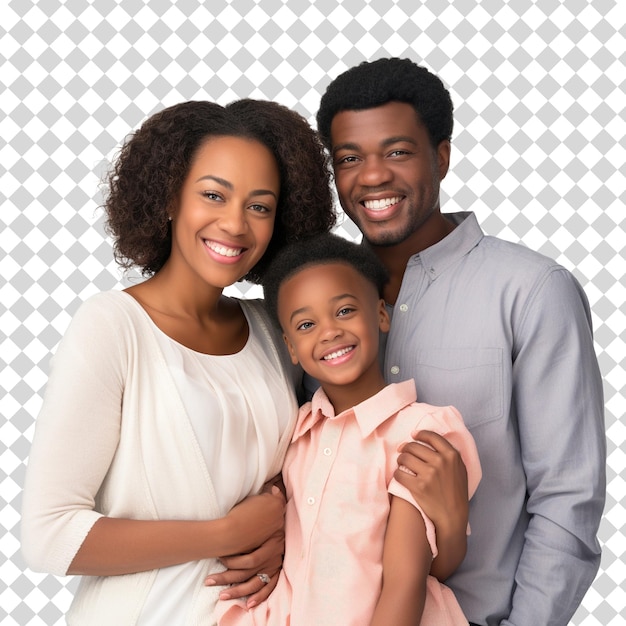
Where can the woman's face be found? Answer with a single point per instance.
(226, 211)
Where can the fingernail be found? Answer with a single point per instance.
(224, 596)
(209, 581)
(251, 603)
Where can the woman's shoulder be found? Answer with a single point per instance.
(254, 310)
(107, 312)
(254, 304)
(108, 303)
(105, 325)
(259, 318)
(270, 336)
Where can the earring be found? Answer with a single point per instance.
(169, 218)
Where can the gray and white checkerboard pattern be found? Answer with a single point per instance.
(538, 152)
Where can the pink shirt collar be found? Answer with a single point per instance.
(369, 414)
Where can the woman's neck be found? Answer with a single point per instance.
(193, 313)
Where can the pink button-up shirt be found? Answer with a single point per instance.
(338, 475)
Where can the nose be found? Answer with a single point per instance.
(234, 220)
(329, 330)
(374, 171)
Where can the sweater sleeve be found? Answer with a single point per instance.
(76, 436)
(447, 422)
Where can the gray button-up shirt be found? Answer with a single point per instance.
(504, 334)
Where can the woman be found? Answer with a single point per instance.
(168, 403)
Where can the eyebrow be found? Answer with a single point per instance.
(385, 143)
(304, 309)
(229, 185)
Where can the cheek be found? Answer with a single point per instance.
(304, 352)
(264, 233)
(342, 182)
(370, 330)
(291, 350)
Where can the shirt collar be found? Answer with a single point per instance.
(369, 414)
(466, 236)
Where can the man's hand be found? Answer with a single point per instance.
(439, 484)
(242, 570)
(440, 481)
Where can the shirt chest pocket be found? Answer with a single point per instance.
(470, 379)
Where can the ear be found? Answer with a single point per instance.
(384, 323)
(172, 208)
(291, 349)
(443, 158)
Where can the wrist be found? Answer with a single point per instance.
(451, 526)
(219, 538)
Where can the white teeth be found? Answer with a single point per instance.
(334, 355)
(376, 205)
(223, 250)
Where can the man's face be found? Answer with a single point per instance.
(386, 171)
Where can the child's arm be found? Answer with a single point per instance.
(439, 484)
(406, 561)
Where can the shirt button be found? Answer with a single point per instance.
(310, 500)
(404, 308)
(395, 369)
(327, 452)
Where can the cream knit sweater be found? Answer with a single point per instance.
(106, 444)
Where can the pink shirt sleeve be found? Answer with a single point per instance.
(447, 422)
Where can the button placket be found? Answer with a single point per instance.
(414, 285)
(318, 476)
(331, 433)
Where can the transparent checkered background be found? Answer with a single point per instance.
(538, 154)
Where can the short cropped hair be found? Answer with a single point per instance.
(148, 174)
(320, 250)
(374, 83)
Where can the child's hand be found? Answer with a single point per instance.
(276, 480)
(255, 519)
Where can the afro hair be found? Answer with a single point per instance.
(320, 250)
(374, 83)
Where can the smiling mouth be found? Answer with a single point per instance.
(337, 354)
(383, 203)
(223, 250)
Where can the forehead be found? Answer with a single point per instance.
(235, 155)
(393, 119)
(323, 281)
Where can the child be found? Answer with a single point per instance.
(354, 554)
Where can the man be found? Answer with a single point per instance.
(500, 332)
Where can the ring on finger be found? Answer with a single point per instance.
(264, 578)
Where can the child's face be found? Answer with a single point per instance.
(331, 316)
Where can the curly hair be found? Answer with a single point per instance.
(374, 83)
(320, 250)
(153, 163)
